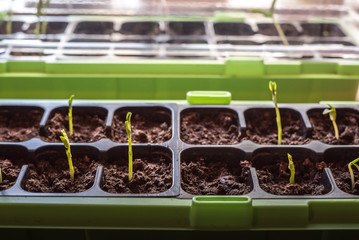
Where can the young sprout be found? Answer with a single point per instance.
(273, 89)
(71, 128)
(333, 116)
(270, 14)
(291, 168)
(354, 162)
(66, 143)
(9, 20)
(40, 5)
(128, 130)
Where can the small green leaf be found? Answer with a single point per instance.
(332, 112)
(70, 100)
(272, 86)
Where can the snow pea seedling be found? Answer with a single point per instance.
(353, 163)
(273, 89)
(128, 130)
(66, 142)
(270, 14)
(333, 116)
(71, 129)
(41, 4)
(291, 168)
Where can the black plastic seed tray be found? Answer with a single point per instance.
(179, 150)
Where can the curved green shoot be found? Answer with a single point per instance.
(71, 128)
(291, 168)
(273, 89)
(128, 130)
(353, 163)
(270, 14)
(333, 116)
(66, 142)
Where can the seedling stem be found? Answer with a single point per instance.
(128, 130)
(273, 89)
(333, 116)
(9, 19)
(71, 129)
(66, 143)
(291, 168)
(354, 162)
(270, 14)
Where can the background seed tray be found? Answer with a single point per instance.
(178, 150)
(74, 37)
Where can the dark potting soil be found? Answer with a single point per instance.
(269, 29)
(51, 27)
(18, 125)
(10, 171)
(87, 127)
(238, 29)
(145, 129)
(200, 176)
(186, 28)
(262, 127)
(342, 177)
(15, 27)
(348, 127)
(274, 178)
(150, 175)
(216, 128)
(51, 174)
(322, 30)
(94, 28)
(140, 28)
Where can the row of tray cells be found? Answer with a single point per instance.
(200, 126)
(149, 28)
(203, 171)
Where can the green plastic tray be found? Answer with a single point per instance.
(245, 78)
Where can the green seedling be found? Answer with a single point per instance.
(353, 163)
(71, 128)
(9, 19)
(273, 89)
(41, 4)
(270, 14)
(66, 143)
(291, 168)
(333, 116)
(128, 130)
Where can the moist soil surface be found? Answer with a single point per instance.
(94, 28)
(51, 174)
(348, 127)
(238, 29)
(186, 28)
(143, 129)
(15, 27)
(342, 177)
(51, 27)
(219, 129)
(322, 30)
(262, 127)
(17, 126)
(140, 28)
(203, 177)
(274, 178)
(10, 171)
(150, 175)
(269, 29)
(87, 127)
